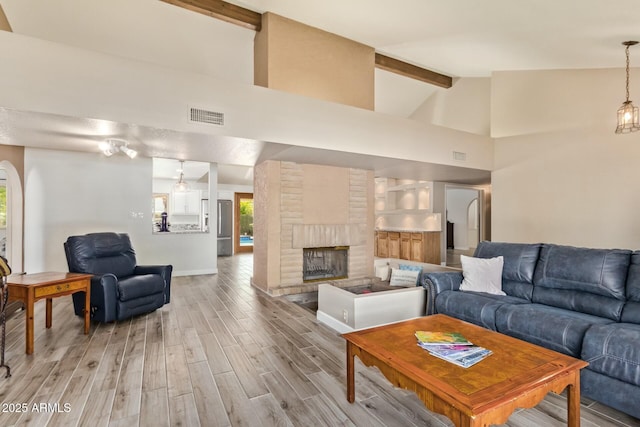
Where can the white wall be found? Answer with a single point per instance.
(561, 174)
(42, 76)
(69, 193)
(465, 106)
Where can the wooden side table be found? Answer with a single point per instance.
(30, 288)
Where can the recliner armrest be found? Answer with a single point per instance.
(163, 270)
(103, 298)
(437, 282)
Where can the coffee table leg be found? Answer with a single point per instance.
(573, 402)
(351, 389)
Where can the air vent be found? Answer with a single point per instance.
(457, 155)
(197, 115)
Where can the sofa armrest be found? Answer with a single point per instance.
(437, 282)
(164, 271)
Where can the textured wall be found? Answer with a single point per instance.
(284, 210)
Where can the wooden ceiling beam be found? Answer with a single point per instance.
(222, 10)
(409, 70)
(253, 20)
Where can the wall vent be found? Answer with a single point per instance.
(198, 115)
(457, 155)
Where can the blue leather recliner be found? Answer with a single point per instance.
(119, 288)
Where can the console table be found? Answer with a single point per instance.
(30, 288)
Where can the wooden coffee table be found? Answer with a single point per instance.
(517, 375)
(30, 288)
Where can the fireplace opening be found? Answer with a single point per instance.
(325, 263)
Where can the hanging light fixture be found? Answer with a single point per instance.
(628, 118)
(181, 185)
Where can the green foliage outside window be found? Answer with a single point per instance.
(246, 217)
(3, 207)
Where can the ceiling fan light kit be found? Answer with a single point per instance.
(109, 147)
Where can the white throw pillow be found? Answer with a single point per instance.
(482, 274)
(406, 278)
(383, 272)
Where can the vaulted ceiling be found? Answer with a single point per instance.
(462, 38)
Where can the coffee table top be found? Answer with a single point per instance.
(514, 368)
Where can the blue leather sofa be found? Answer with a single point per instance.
(577, 301)
(119, 288)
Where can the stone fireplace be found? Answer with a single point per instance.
(303, 206)
(325, 263)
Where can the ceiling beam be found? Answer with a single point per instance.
(253, 20)
(222, 10)
(409, 70)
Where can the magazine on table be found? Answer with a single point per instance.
(429, 337)
(452, 347)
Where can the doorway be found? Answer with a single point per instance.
(464, 219)
(243, 222)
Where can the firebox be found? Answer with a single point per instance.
(325, 263)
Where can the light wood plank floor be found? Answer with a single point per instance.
(221, 354)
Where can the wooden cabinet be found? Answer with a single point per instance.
(405, 246)
(419, 247)
(383, 244)
(394, 244)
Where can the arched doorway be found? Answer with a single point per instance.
(14, 216)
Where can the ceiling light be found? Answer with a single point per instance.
(111, 146)
(628, 118)
(181, 185)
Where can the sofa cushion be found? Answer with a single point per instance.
(474, 307)
(554, 328)
(519, 265)
(482, 274)
(613, 350)
(139, 286)
(633, 278)
(590, 281)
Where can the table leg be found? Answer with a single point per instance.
(49, 309)
(87, 308)
(29, 327)
(351, 388)
(573, 402)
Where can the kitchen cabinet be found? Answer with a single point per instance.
(415, 246)
(185, 203)
(382, 240)
(405, 246)
(394, 244)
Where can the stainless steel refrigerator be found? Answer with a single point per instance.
(225, 227)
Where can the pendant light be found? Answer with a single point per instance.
(181, 185)
(628, 118)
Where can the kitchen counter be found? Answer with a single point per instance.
(407, 230)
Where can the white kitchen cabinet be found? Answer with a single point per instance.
(186, 202)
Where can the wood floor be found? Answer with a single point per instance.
(221, 354)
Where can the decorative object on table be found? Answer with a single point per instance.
(5, 270)
(628, 117)
(164, 224)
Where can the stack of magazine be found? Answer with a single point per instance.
(452, 347)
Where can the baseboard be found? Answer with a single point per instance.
(177, 273)
(333, 323)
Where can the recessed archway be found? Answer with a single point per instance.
(15, 216)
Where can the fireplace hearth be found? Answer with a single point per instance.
(325, 263)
